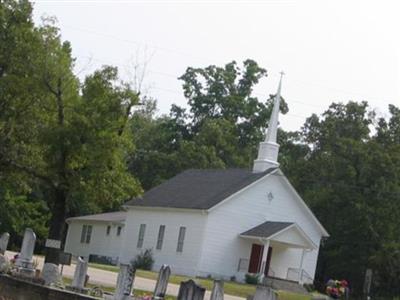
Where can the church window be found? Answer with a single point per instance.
(86, 234)
(108, 229)
(160, 238)
(181, 238)
(142, 230)
(119, 229)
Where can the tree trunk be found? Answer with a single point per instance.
(57, 224)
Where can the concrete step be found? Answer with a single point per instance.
(285, 285)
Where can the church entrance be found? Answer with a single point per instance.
(255, 258)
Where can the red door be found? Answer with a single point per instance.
(255, 258)
(268, 262)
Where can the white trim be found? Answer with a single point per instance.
(241, 191)
(160, 208)
(323, 230)
(271, 237)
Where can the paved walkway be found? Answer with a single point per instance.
(108, 278)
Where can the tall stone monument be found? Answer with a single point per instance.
(78, 282)
(24, 261)
(4, 242)
(218, 290)
(126, 277)
(162, 282)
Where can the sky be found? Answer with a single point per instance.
(329, 50)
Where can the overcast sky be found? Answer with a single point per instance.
(329, 50)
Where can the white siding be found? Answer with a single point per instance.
(223, 247)
(185, 262)
(100, 243)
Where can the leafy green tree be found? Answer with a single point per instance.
(66, 138)
(221, 129)
(348, 177)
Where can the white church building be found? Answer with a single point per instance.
(223, 223)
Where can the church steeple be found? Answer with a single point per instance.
(269, 149)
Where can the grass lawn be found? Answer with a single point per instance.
(230, 288)
(110, 289)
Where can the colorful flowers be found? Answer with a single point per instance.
(337, 288)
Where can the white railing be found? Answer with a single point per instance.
(303, 277)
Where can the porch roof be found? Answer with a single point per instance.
(281, 232)
(265, 230)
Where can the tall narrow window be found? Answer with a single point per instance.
(142, 230)
(108, 229)
(181, 239)
(160, 238)
(88, 234)
(83, 233)
(119, 228)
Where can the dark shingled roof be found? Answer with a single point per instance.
(118, 216)
(197, 189)
(267, 229)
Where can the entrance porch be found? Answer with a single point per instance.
(277, 250)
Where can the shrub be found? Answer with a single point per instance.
(252, 278)
(144, 260)
(233, 278)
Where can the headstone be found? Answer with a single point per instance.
(218, 290)
(50, 274)
(24, 260)
(4, 242)
(79, 280)
(162, 282)
(189, 290)
(264, 293)
(126, 277)
(367, 283)
(4, 264)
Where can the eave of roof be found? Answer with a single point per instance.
(112, 217)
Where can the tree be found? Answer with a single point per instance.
(221, 129)
(66, 138)
(348, 177)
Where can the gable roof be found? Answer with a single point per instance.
(277, 231)
(267, 229)
(118, 216)
(197, 189)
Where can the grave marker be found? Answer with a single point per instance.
(189, 290)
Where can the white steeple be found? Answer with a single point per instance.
(269, 149)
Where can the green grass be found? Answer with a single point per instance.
(283, 295)
(230, 288)
(110, 289)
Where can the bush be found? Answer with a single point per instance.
(252, 278)
(144, 260)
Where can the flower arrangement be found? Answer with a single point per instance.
(337, 289)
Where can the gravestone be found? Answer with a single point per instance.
(50, 274)
(4, 242)
(367, 283)
(4, 264)
(78, 282)
(265, 293)
(162, 282)
(126, 277)
(189, 290)
(24, 260)
(218, 290)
